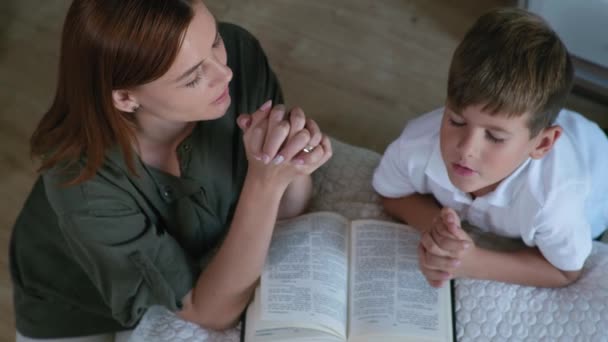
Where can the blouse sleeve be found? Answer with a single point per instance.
(132, 264)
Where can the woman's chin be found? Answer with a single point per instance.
(214, 112)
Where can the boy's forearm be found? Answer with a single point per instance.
(524, 267)
(416, 210)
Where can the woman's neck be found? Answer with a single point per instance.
(153, 132)
(158, 139)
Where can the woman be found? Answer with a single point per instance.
(149, 192)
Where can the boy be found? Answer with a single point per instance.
(503, 156)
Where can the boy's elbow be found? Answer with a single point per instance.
(570, 277)
(388, 204)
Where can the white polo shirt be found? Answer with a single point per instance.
(558, 203)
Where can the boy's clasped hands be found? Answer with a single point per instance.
(445, 250)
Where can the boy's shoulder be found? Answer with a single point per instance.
(582, 146)
(575, 162)
(586, 134)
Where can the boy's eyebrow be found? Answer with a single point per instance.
(490, 127)
(192, 69)
(497, 129)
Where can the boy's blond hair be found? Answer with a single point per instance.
(511, 62)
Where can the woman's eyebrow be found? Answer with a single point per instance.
(192, 69)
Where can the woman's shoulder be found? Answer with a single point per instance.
(108, 187)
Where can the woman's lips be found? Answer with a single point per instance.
(462, 170)
(223, 97)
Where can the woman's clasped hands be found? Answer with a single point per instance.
(282, 145)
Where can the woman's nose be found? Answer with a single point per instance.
(222, 74)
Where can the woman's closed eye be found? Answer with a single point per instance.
(195, 81)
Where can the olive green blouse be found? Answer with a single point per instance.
(91, 258)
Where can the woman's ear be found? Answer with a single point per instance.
(545, 141)
(124, 101)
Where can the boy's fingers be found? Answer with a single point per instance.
(439, 263)
(449, 215)
(453, 247)
(434, 277)
(436, 283)
(458, 232)
(431, 246)
(452, 223)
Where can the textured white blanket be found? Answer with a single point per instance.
(485, 310)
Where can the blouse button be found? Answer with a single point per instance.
(168, 192)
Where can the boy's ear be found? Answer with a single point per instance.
(124, 101)
(545, 141)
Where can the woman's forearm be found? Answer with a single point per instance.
(225, 287)
(296, 197)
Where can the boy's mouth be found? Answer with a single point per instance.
(462, 170)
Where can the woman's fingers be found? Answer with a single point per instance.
(295, 144)
(297, 121)
(254, 127)
(243, 121)
(271, 137)
(255, 141)
(318, 156)
(315, 132)
(261, 114)
(278, 130)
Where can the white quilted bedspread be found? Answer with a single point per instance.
(485, 310)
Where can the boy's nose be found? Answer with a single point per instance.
(467, 146)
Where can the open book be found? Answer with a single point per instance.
(330, 279)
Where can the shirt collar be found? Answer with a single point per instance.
(500, 197)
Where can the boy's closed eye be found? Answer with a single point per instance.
(492, 137)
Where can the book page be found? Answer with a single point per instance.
(389, 295)
(305, 277)
(257, 330)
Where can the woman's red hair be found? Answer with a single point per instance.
(106, 45)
